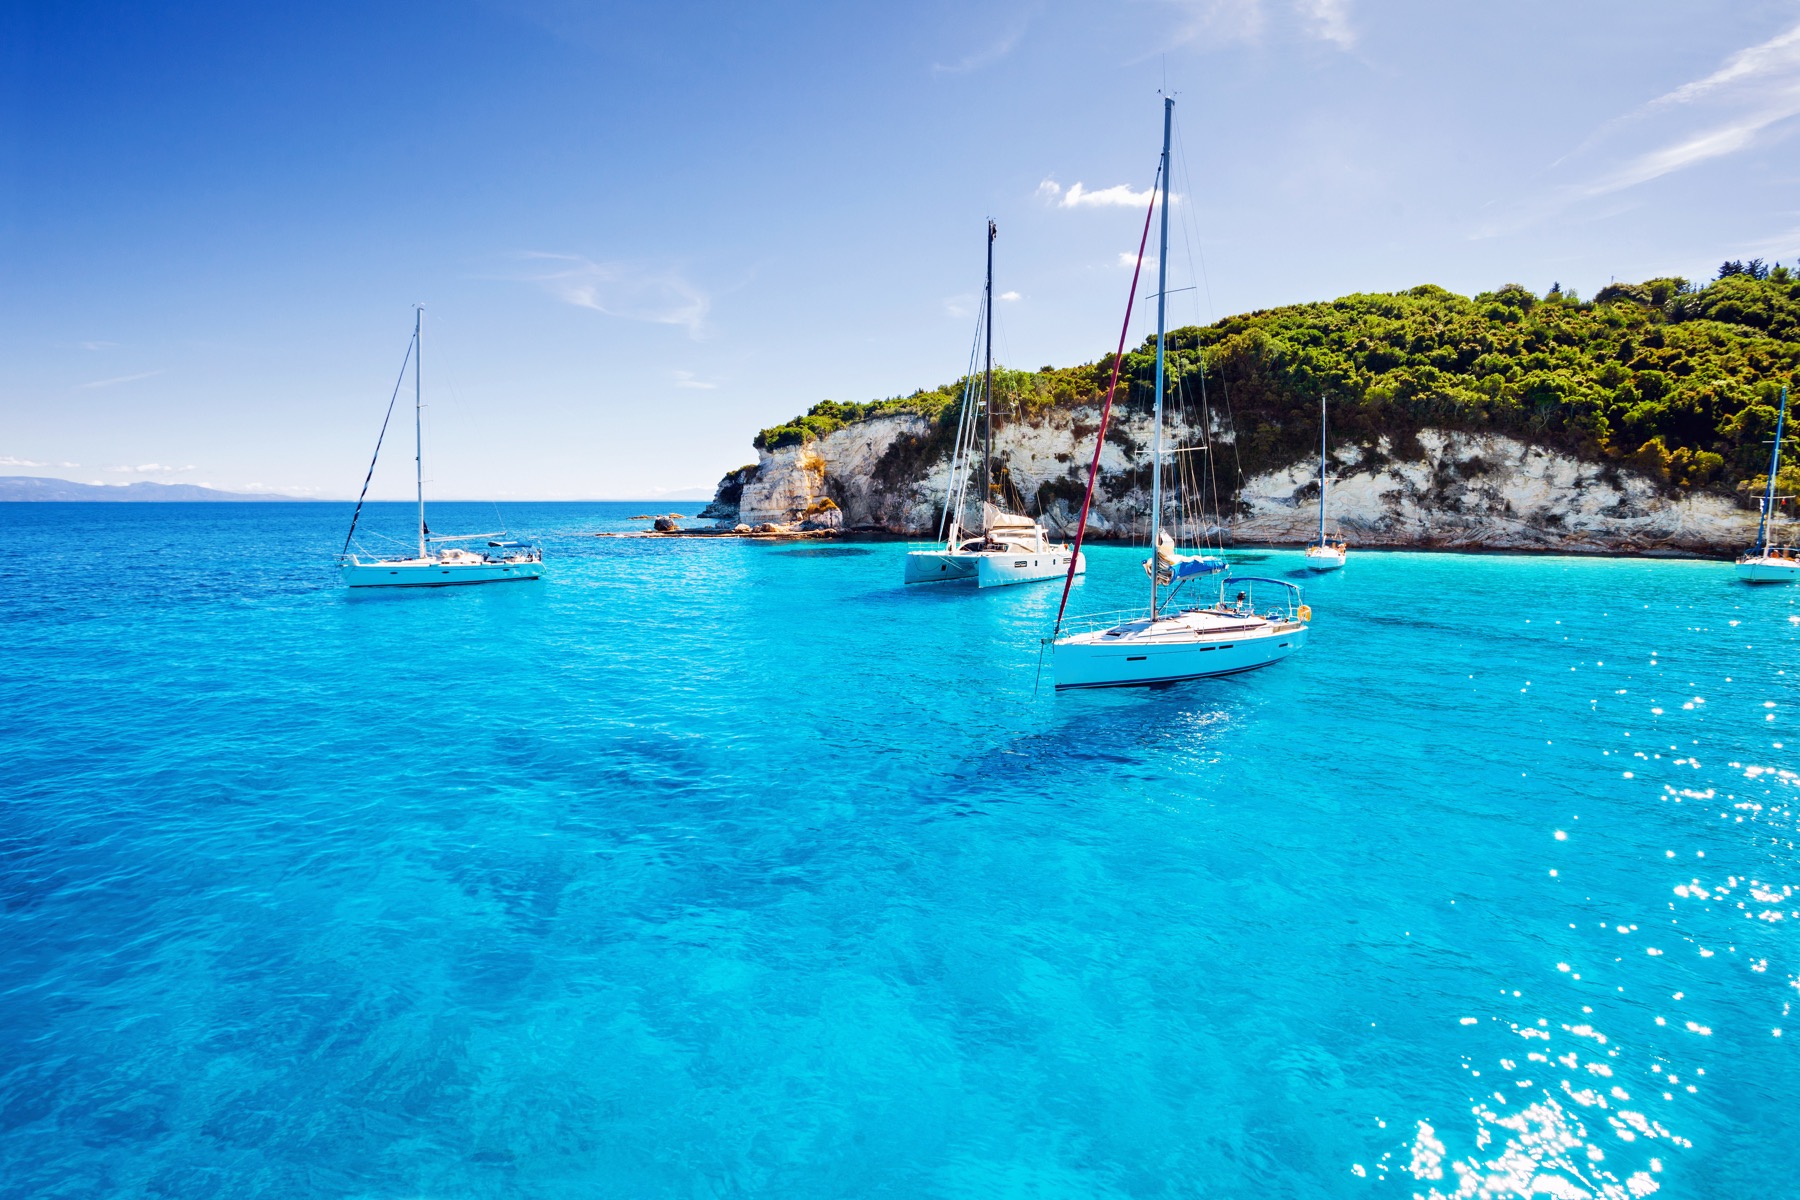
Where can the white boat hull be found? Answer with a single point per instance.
(1768, 569)
(1166, 653)
(1002, 569)
(1324, 560)
(415, 573)
(940, 566)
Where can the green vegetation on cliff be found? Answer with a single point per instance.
(1678, 380)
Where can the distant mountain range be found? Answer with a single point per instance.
(36, 487)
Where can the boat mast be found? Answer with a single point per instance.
(418, 421)
(1321, 468)
(1162, 299)
(987, 387)
(1768, 505)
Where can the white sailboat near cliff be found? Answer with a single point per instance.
(1171, 641)
(438, 561)
(1324, 554)
(994, 547)
(1765, 563)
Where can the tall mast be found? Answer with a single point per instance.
(418, 420)
(1321, 468)
(1768, 505)
(987, 387)
(1162, 299)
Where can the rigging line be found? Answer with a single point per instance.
(410, 346)
(959, 464)
(1192, 214)
(1106, 412)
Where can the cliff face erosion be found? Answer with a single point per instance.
(1452, 489)
(1636, 422)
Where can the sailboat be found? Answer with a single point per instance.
(1764, 563)
(1004, 547)
(1324, 555)
(1253, 622)
(439, 561)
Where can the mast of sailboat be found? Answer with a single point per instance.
(419, 420)
(1321, 468)
(987, 386)
(1162, 300)
(1768, 504)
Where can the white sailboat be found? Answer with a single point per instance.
(1324, 555)
(1239, 631)
(1005, 548)
(438, 562)
(1764, 563)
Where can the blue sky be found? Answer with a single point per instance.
(642, 233)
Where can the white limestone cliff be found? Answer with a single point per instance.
(1456, 490)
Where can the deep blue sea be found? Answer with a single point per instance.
(714, 869)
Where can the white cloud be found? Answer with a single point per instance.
(1329, 21)
(1009, 296)
(1130, 260)
(9, 461)
(685, 379)
(115, 380)
(151, 469)
(659, 295)
(1219, 23)
(1078, 196)
(1725, 112)
(994, 53)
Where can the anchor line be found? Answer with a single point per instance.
(1106, 411)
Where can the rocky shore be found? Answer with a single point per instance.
(1450, 490)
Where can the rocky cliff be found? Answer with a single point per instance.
(1446, 489)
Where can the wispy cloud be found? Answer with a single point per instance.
(152, 469)
(7, 460)
(685, 379)
(1720, 114)
(1219, 23)
(660, 295)
(115, 380)
(961, 306)
(992, 53)
(1329, 21)
(1078, 196)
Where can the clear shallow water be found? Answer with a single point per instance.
(713, 869)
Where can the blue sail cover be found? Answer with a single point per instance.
(1193, 568)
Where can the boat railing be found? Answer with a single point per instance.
(1098, 622)
(1288, 605)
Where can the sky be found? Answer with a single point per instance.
(643, 232)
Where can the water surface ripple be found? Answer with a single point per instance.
(715, 869)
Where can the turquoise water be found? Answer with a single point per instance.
(718, 869)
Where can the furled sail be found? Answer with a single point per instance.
(1173, 568)
(993, 518)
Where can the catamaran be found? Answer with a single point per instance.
(1764, 563)
(1324, 555)
(1239, 631)
(994, 547)
(438, 561)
